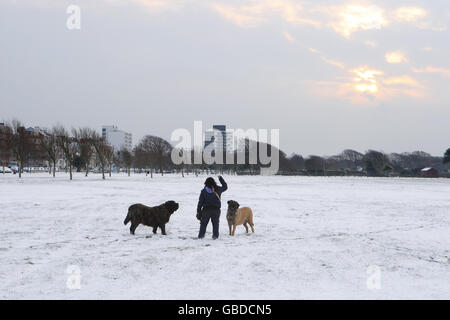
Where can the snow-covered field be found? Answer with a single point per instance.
(315, 238)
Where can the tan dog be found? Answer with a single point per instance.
(240, 216)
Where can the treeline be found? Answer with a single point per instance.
(81, 148)
(371, 163)
(84, 149)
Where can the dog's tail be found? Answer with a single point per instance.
(128, 217)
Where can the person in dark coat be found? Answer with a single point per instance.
(208, 207)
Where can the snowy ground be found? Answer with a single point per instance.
(315, 238)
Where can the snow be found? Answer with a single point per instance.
(315, 238)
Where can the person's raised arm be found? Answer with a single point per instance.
(223, 183)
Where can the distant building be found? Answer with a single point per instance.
(118, 139)
(37, 155)
(32, 138)
(429, 172)
(220, 137)
(37, 131)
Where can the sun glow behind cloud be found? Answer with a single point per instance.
(365, 80)
(345, 19)
(396, 57)
(349, 23)
(354, 17)
(366, 85)
(361, 81)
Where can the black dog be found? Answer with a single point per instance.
(151, 216)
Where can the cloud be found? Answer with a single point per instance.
(337, 90)
(372, 81)
(254, 12)
(331, 62)
(359, 87)
(441, 71)
(366, 85)
(427, 25)
(345, 19)
(403, 86)
(409, 14)
(355, 17)
(313, 50)
(416, 16)
(402, 80)
(396, 57)
(243, 16)
(160, 4)
(366, 79)
(334, 63)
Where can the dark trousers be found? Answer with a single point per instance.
(207, 214)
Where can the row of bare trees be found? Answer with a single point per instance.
(371, 163)
(18, 143)
(80, 146)
(84, 148)
(80, 149)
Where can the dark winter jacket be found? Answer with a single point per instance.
(209, 199)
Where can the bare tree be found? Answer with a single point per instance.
(376, 162)
(101, 149)
(5, 152)
(109, 156)
(333, 163)
(447, 156)
(20, 143)
(67, 145)
(126, 159)
(420, 159)
(315, 164)
(353, 156)
(51, 149)
(154, 152)
(285, 164)
(297, 162)
(84, 136)
(141, 160)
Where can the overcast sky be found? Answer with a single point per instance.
(329, 74)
